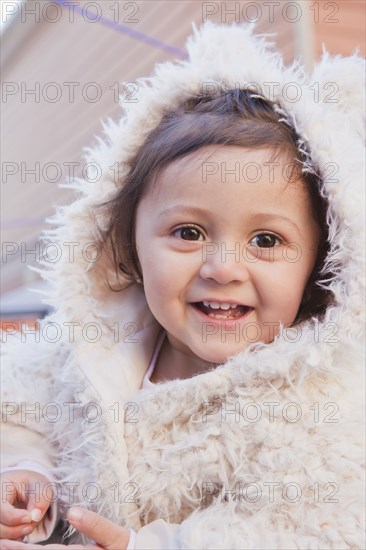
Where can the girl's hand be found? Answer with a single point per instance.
(108, 535)
(23, 503)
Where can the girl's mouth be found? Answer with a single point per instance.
(214, 310)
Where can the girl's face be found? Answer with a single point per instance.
(225, 227)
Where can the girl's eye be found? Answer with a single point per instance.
(189, 233)
(265, 240)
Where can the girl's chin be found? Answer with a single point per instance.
(210, 353)
(219, 354)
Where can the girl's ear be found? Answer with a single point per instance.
(339, 83)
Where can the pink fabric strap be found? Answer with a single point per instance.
(146, 383)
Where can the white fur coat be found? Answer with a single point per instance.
(266, 451)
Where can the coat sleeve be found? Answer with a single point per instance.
(158, 535)
(25, 435)
(26, 393)
(20, 443)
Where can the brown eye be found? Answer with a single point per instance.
(265, 240)
(189, 233)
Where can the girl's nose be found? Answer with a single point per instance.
(224, 263)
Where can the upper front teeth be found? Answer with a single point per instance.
(216, 305)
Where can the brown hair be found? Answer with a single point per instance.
(237, 117)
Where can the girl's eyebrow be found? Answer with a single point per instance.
(183, 210)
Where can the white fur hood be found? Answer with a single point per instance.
(173, 449)
(327, 109)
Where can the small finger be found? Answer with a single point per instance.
(17, 532)
(14, 516)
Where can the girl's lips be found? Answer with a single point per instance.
(247, 310)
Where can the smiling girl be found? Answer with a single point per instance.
(226, 381)
(211, 241)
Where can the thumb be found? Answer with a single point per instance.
(37, 503)
(37, 514)
(104, 532)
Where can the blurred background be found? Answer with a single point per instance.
(63, 67)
